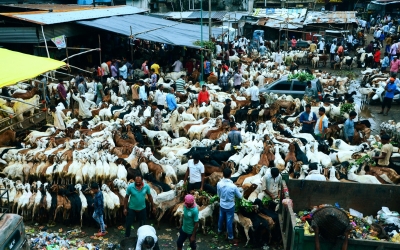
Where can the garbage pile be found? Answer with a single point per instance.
(385, 226)
(73, 239)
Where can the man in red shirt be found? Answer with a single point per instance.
(204, 96)
(377, 57)
(189, 67)
(225, 66)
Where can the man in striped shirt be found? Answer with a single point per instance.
(180, 84)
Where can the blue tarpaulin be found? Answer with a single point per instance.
(153, 29)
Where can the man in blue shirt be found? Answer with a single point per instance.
(227, 191)
(308, 119)
(171, 100)
(349, 127)
(387, 101)
(207, 69)
(98, 204)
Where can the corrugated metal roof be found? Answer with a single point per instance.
(330, 17)
(235, 16)
(175, 15)
(46, 6)
(30, 34)
(60, 16)
(281, 18)
(214, 14)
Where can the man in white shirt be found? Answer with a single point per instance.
(332, 51)
(377, 34)
(278, 57)
(88, 103)
(254, 92)
(260, 79)
(314, 174)
(58, 116)
(105, 69)
(271, 183)
(178, 66)
(321, 46)
(84, 112)
(218, 49)
(195, 173)
(147, 238)
(122, 89)
(159, 97)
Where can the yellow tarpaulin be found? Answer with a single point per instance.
(16, 66)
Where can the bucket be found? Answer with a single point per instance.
(128, 243)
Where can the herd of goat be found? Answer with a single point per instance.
(47, 176)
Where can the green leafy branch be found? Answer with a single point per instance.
(301, 76)
(346, 108)
(206, 44)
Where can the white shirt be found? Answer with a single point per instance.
(254, 91)
(178, 66)
(333, 48)
(159, 98)
(260, 80)
(83, 111)
(88, 104)
(314, 175)
(105, 68)
(270, 184)
(195, 171)
(278, 58)
(350, 38)
(59, 117)
(142, 233)
(321, 45)
(218, 48)
(123, 89)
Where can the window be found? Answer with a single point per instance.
(282, 86)
(299, 86)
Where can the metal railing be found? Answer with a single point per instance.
(4, 209)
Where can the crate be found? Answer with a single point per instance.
(366, 198)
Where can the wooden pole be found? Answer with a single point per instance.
(99, 49)
(52, 47)
(131, 45)
(47, 74)
(66, 52)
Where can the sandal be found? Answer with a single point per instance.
(380, 113)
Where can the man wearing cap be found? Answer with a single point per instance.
(394, 65)
(321, 46)
(390, 88)
(190, 223)
(98, 204)
(227, 192)
(308, 119)
(84, 112)
(226, 116)
(349, 127)
(386, 151)
(147, 238)
(58, 116)
(195, 173)
(321, 124)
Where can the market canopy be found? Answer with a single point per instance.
(153, 29)
(16, 66)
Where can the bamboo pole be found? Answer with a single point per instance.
(80, 54)
(52, 47)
